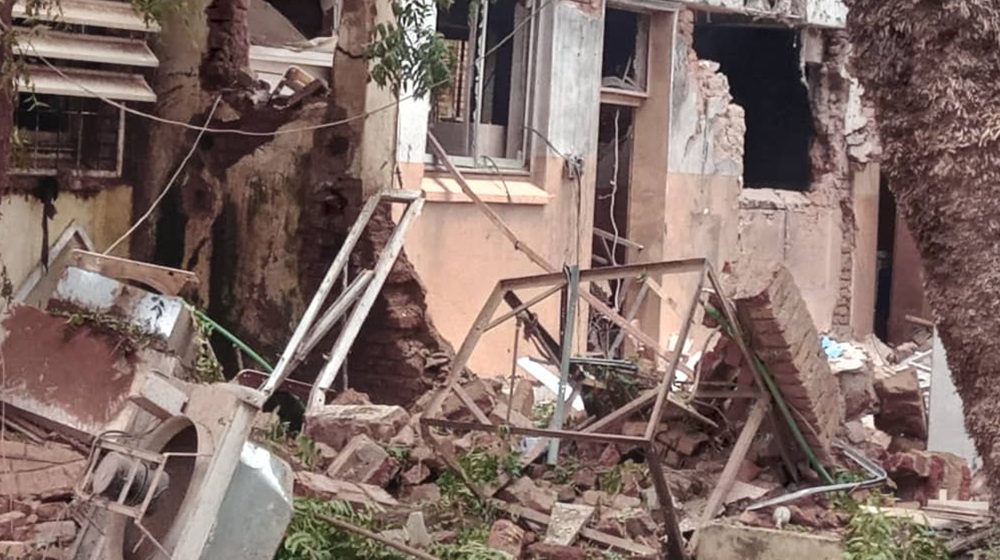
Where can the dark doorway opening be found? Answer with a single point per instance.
(611, 201)
(884, 258)
(763, 66)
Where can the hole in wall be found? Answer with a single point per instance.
(763, 67)
(624, 61)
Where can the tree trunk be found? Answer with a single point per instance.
(8, 91)
(932, 69)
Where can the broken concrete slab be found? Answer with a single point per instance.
(720, 541)
(416, 530)
(922, 475)
(336, 424)
(364, 461)
(566, 522)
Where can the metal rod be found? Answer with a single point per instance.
(332, 315)
(386, 261)
(569, 321)
(674, 545)
(633, 310)
(340, 524)
(668, 378)
(617, 239)
(524, 306)
(336, 267)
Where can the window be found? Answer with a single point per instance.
(764, 68)
(65, 133)
(479, 119)
(626, 46)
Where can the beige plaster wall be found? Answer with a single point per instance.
(460, 256)
(787, 227)
(863, 279)
(104, 216)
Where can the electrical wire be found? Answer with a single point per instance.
(132, 111)
(170, 183)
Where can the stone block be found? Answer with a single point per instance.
(321, 487)
(921, 475)
(901, 405)
(336, 424)
(718, 541)
(525, 492)
(364, 461)
(566, 522)
(547, 551)
(506, 536)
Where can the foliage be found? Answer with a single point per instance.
(872, 535)
(542, 413)
(207, 368)
(277, 437)
(407, 55)
(483, 469)
(309, 537)
(613, 480)
(128, 337)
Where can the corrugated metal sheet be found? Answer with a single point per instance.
(88, 83)
(96, 13)
(56, 45)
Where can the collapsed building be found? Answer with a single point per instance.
(635, 136)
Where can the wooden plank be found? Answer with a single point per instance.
(167, 281)
(736, 457)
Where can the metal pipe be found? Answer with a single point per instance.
(878, 477)
(572, 292)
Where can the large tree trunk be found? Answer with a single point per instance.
(932, 68)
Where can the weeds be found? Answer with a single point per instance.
(872, 535)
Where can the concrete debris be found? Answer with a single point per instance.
(902, 413)
(336, 424)
(566, 522)
(364, 461)
(599, 495)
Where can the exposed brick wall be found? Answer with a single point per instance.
(784, 337)
(829, 153)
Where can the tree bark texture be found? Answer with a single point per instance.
(932, 69)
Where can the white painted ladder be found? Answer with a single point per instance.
(360, 294)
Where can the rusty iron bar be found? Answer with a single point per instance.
(533, 432)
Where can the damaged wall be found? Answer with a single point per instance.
(104, 215)
(812, 232)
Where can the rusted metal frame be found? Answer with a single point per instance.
(633, 310)
(476, 332)
(386, 261)
(736, 394)
(534, 432)
(534, 329)
(283, 367)
(736, 457)
(536, 258)
(607, 273)
(523, 307)
(470, 403)
(673, 548)
(668, 378)
(642, 401)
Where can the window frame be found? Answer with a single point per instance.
(76, 136)
(483, 163)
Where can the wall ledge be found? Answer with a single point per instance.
(493, 191)
(772, 199)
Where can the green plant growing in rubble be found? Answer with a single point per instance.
(310, 537)
(873, 535)
(207, 368)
